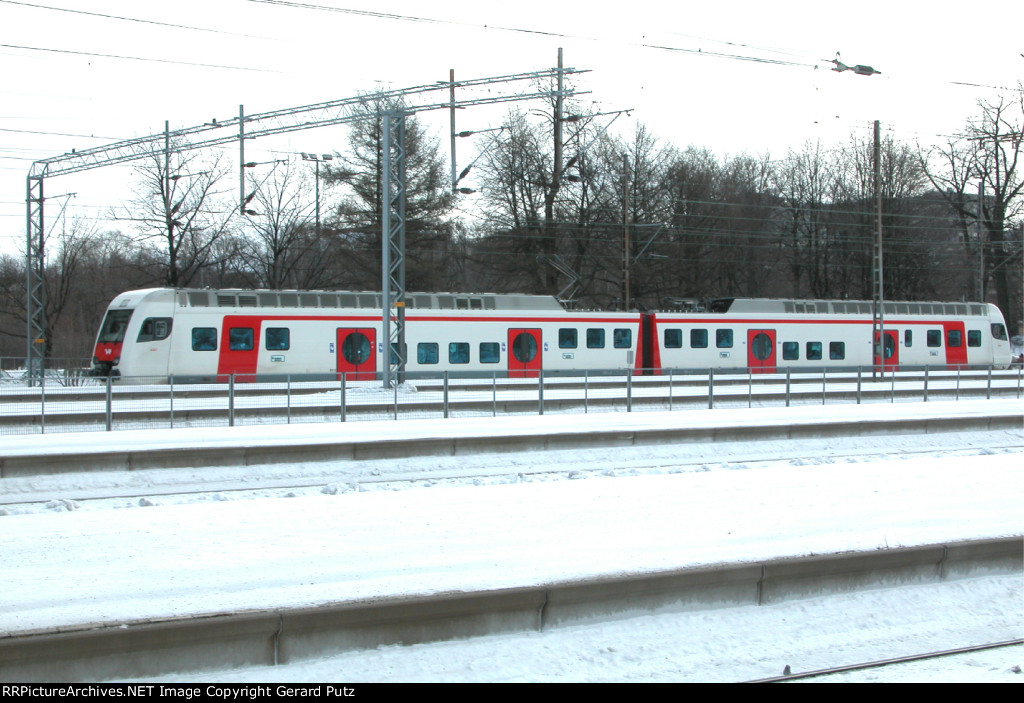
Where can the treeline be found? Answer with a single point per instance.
(611, 222)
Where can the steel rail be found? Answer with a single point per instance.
(886, 662)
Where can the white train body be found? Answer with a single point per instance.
(765, 335)
(207, 335)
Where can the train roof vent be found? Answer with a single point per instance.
(289, 300)
(309, 300)
(226, 300)
(978, 310)
(269, 300)
(247, 301)
(446, 302)
(199, 299)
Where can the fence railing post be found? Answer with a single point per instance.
(988, 391)
(711, 389)
(629, 392)
(231, 400)
(110, 409)
(342, 409)
(446, 395)
(586, 392)
(670, 390)
(926, 384)
(494, 394)
(170, 399)
(860, 378)
(789, 372)
(540, 391)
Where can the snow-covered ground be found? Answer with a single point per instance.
(209, 553)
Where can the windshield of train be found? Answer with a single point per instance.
(114, 326)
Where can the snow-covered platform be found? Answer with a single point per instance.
(146, 570)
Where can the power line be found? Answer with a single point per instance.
(129, 19)
(139, 58)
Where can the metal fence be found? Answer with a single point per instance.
(68, 402)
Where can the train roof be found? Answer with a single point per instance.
(843, 307)
(239, 298)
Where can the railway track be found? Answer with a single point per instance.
(831, 671)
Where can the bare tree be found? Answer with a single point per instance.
(179, 211)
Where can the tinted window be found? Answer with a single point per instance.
(595, 338)
(813, 351)
(934, 338)
(490, 352)
(954, 338)
(673, 339)
(567, 338)
(791, 351)
(998, 331)
(974, 338)
(622, 338)
(837, 350)
(204, 339)
(699, 339)
(240, 338)
(114, 326)
(356, 348)
(427, 352)
(908, 338)
(458, 353)
(277, 338)
(723, 339)
(154, 329)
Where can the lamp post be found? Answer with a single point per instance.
(317, 159)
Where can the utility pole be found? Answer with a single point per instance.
(627, 253)
(878, 325)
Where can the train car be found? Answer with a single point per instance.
(153, 335)
(766, 335)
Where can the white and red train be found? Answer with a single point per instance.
(203, 335)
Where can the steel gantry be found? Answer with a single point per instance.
(247, 127)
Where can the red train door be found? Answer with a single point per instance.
(956, 344)
(761, 351)
(892, 349)
(524, 353)
(239, 351)
(356, 357)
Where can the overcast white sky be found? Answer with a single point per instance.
(74, 80)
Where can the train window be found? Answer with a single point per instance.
(837, 351)
(954, 338)
(934, 338)
(622, 338)
(240, 338)
(204, 339)
(698, 339)
(458, 353)
(813, 351)
(490, 352)
(524, 347)
(395, 355)
(356, 348)
(998, 331)
(974, 338)
(908, 338)
(674, 339)
(277, 338)
(114, 326)
(427, 353)
(762, 346)
(595, 338)
(154, 329)
(791, 351)
(567, 338)
(723, 339)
